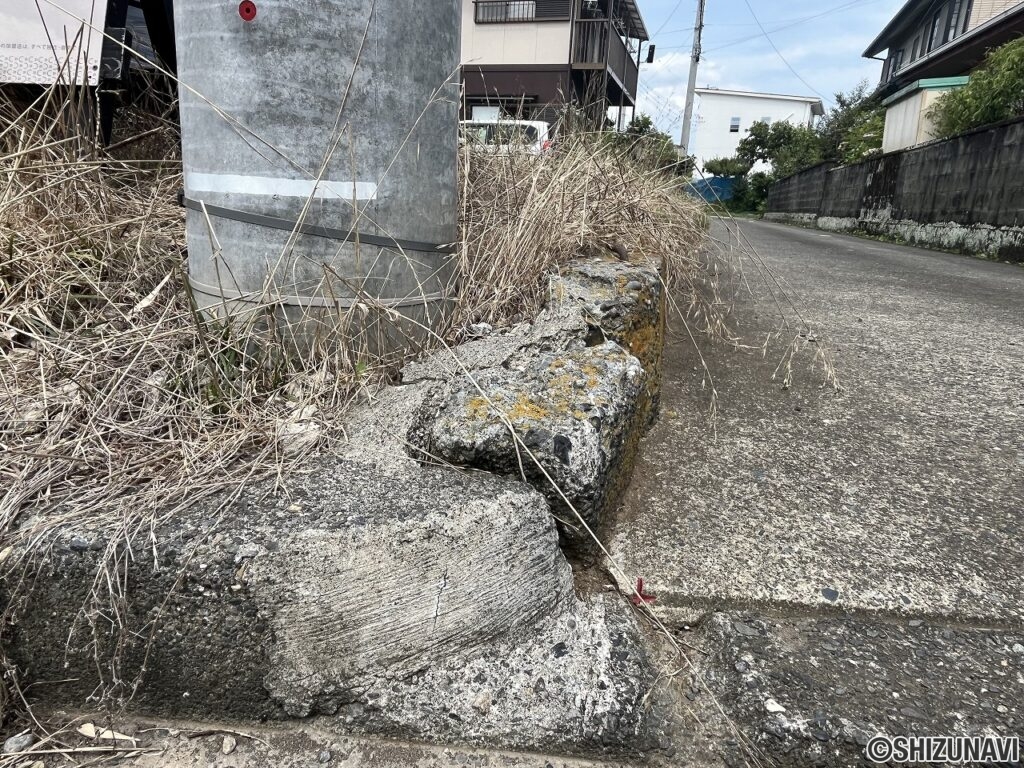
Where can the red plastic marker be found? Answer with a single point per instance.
(642, 597)
(247, 10)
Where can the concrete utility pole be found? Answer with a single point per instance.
(698, 30)
(294, 240)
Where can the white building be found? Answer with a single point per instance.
(722, 119)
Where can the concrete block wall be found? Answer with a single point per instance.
(801, 192)
(964, 194)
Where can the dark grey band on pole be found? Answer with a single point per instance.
(272, 222)
(266, 298)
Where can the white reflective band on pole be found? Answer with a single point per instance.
(228, 183)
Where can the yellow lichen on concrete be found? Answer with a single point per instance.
(524, 408)
(592, 373)
(563, 384)
(478, 408)
(645, 343)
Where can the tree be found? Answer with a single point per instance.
(847, 131)
(727, 166)
(750, 192)
(850, 131)
(864, 138)
(787, 147)
(649, 146)
(995, 93)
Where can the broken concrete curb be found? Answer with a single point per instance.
(426, 604)
(579, 387)
(574, 412)
(378, 595)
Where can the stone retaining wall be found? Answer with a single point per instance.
(964, 194)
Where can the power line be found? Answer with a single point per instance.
(783, 58)
(667, 19)
(664, 104)
(838, 9)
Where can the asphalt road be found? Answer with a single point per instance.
(852, 557)
(901, 494)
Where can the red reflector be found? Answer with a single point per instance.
(247, 10)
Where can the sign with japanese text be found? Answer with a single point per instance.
(52, 41)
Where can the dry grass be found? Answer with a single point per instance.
(119, 402)
(524, 216)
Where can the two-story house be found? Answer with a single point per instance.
(527, 58)
(931, 46)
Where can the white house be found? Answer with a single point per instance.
(722, 118)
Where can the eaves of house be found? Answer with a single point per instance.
(957, 57)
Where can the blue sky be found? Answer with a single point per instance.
(821, 39)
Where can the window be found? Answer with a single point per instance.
(915, 51)
(894, 63)
(954, 15)
(935, 34)
(734, 125)
(964, 20)
(897, 60)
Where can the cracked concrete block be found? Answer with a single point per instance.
(574, 411)
(579, 385)
(296, 600)
(624, 302)
(382, 596)
(555, 331)
(359, 592)
(584, 677)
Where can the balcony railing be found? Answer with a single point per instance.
(597, 45)
(510, 11)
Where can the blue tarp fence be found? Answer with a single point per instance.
(713, 189)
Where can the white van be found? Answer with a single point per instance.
(533, 136)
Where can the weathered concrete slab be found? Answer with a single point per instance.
(416, 602)
(902, 495)
(579, 386)
(560, 329)
(814, 691)
(624, 302)
(383, 596)
(574, 411)
(579, 684)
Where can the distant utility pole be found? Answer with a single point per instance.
(698, 29)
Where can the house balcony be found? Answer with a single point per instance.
(596, 46)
